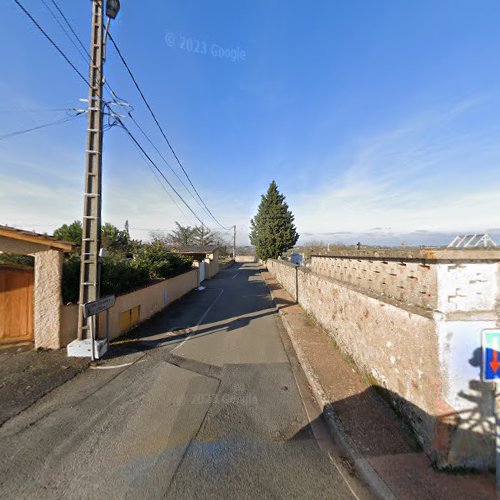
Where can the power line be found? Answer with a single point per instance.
(160, 127)
(50, 124)
(54, 44)
(30, 16)
(163, 158)
(85, 54)
(35, 110)
(82, 45)
(136, 142)
(62, 27)
(163, 186)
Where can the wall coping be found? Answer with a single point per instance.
(285, 262)
(413, 309)
(148, 284)
(427, 255)
(155, 282)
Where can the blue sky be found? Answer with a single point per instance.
(379, 120)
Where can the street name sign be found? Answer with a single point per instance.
(98, 306)
(491, 355)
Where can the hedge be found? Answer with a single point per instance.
(121, 275)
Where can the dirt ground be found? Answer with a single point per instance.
(26, 375)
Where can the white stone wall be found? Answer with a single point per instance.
(467, 304)
(425, 353)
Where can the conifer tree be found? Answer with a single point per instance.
(272, 230)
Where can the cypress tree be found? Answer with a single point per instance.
(272, 230)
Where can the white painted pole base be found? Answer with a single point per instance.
(83, 348)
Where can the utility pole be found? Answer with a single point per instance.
(234, 242)
(91, 234)
(92, 196)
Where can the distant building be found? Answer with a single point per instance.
(472, 241)
(206, 259)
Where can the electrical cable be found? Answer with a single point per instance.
(82, 54)
(163, 187)
(54, 44)
(86, 55)
(38, 127)
(163, 158)
(136, 142)
(118, 120)
(82, 45)
(160, 128)
(34, 110)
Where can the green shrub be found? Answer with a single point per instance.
(120, 275)
(71, 279)
(159, 262)
(19, 260)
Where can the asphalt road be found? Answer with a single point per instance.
(201, 402)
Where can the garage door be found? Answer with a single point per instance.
(16, 304)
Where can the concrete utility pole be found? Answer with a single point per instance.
(91, 235)
(234, 242)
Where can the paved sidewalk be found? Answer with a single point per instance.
(374, 438)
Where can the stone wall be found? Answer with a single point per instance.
(409, 282)
(423, 352)
(47, 298)
(286, 273)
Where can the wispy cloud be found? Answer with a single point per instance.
(437, 172)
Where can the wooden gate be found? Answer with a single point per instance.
(16, 303)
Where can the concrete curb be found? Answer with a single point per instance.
(350, 450)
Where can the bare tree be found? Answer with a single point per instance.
(203, 237)
(180, 236)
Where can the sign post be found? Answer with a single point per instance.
(491, 373)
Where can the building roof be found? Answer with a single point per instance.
(32, 237)
(193, 249)
(472, 241)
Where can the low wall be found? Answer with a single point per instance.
(245, 258)
(132, 308)
(412, 322)
(211, 268)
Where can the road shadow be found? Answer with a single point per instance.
(243, 301)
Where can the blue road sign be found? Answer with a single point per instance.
(491, 355)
